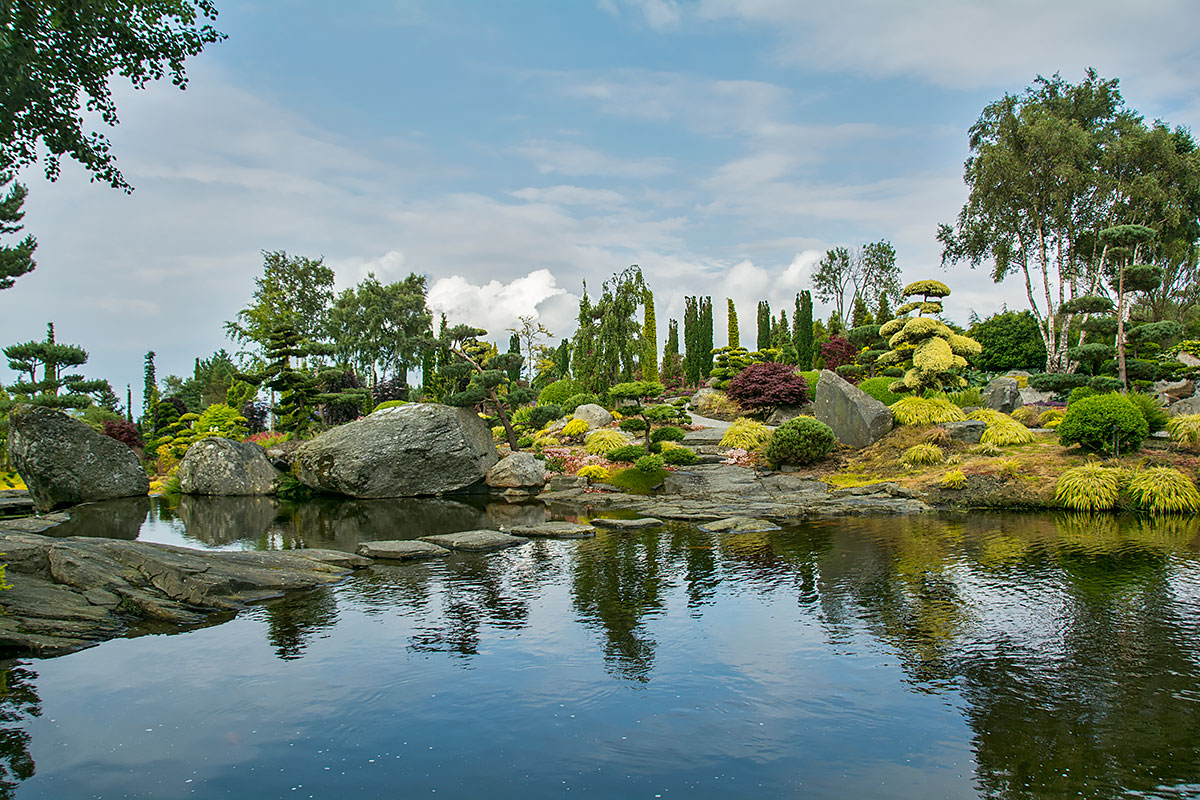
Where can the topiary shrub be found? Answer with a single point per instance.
(1002, 430)
(1105, 423)
(670, 433)
(601, 441)
(878, 388)
(680, 456)
(1163, 490)
(1156, 416)
(559, 392)
(627, 453)
(576, 400)
(1185, 429)
(913, 410)
(763, 387)
(1060, 383)
(649, 464)
(801, 440)
(543, 415)
(746, 434)
(633, 424)
(1092, 487)
(923, 455)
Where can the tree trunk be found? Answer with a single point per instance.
(503, 415)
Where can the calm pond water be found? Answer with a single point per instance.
(1000, 656)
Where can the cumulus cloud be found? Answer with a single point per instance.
(495, 306)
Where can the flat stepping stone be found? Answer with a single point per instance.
(556, 530)
(739, 525)
(476, 541)
(628, 524)
(401, 549)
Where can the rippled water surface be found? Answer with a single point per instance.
(918, 657)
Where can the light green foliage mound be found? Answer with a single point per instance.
(1002, 430)
(1092, 487)
(670, 433)
(912, 410)
(878, 388)
(1163, 490)
(635, 481)
(628, 453)
(1185, 429)
(601, 441)
(746, 434)
(575, 427)
(649, 464)
(1106, 423)
(559, 392)
(802, 440)
(680, 456)
(923, 455)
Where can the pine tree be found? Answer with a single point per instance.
(149, 396)
(514, 346)
(15, 260)
(52, 358)
(884, 312)
(803, 322)
(764, 325)
(734, 337)
(861, 315)
(650, 339)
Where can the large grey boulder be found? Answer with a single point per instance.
(1175, 390)
(595, 416)
(857, 419)
(220, 466)
(1003, 395)
(784, 414)
(1032, 397)
(517, 471)
(967, 431)
(64, 462)
(404, 451)
(1190, 405)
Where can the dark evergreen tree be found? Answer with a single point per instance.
(52, 358)
(691, 341)
(706, 337)
(672, 363)
(514, 346)
(15, 260)
(803, 322)
(764, 325)
(149, 396)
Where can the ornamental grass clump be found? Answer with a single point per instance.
(1052, 418)
(913, 410)
(923, 455)
(801, 440)
(601, 441)
(1029, 416)
(1185, 429)
(1163, 490)
(1105, 423)
(746, 434)
(954, 479)
(1091, 487)
(575, 427)
(1002, 430)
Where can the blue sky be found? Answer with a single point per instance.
(511, 151)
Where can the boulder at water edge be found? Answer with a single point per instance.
(224, 467)
(64, 462)
(595, 416)
(518, 471)
(857, 419)
(405, 451)
(1003, 395)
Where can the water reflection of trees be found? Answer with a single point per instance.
(293, 621)
(18, 703)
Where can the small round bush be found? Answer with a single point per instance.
(629, 453)
(576, 400)
(680, 456)
(1105, 423)
(1080, 392)
(954, 479)
(541, 416)
(670, 433)
(801, 440)
(632, 424)
(559, 392)
(649, 464)
(575, 427)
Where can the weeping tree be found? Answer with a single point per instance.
(488, 385)
(924, 346)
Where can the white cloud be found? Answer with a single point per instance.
(494, 306)
(571, 196)
(573, 159)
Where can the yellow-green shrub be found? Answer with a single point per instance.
(1092, 487)
(601, 441)
(923, 454)
(498, 434)
(575, 427)
(1051, 418)
(1163, 490)
(914, 410)
(1185, 429)
(1002, 429)
(746, 434)
(954, 479)
(595, 472)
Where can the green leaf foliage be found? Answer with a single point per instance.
(1106, 423)
(628, 453)
(543, 415)
(1156, 416)
(649, 464)
(878, 388)
(1009, 340)
(560, 392)
(680, 456)
(801, 440)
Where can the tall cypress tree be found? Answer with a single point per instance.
(691, 341)
(514, 346)
(706, 337)
(804, 331)
(672, 363)
(149, 395)
(732, 324)
(764, 325)
(650, 339)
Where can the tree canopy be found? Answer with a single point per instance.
(15, 259)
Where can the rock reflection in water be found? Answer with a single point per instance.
(217, 521)
(121, 518)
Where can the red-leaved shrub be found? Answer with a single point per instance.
(124, 432)
(766, 386)
(838, 351)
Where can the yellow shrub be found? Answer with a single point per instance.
(594, 472)
(498, 434)
(574, 428)
(601, 441)
(954, 479)
(746, 434)
(1051, 418)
